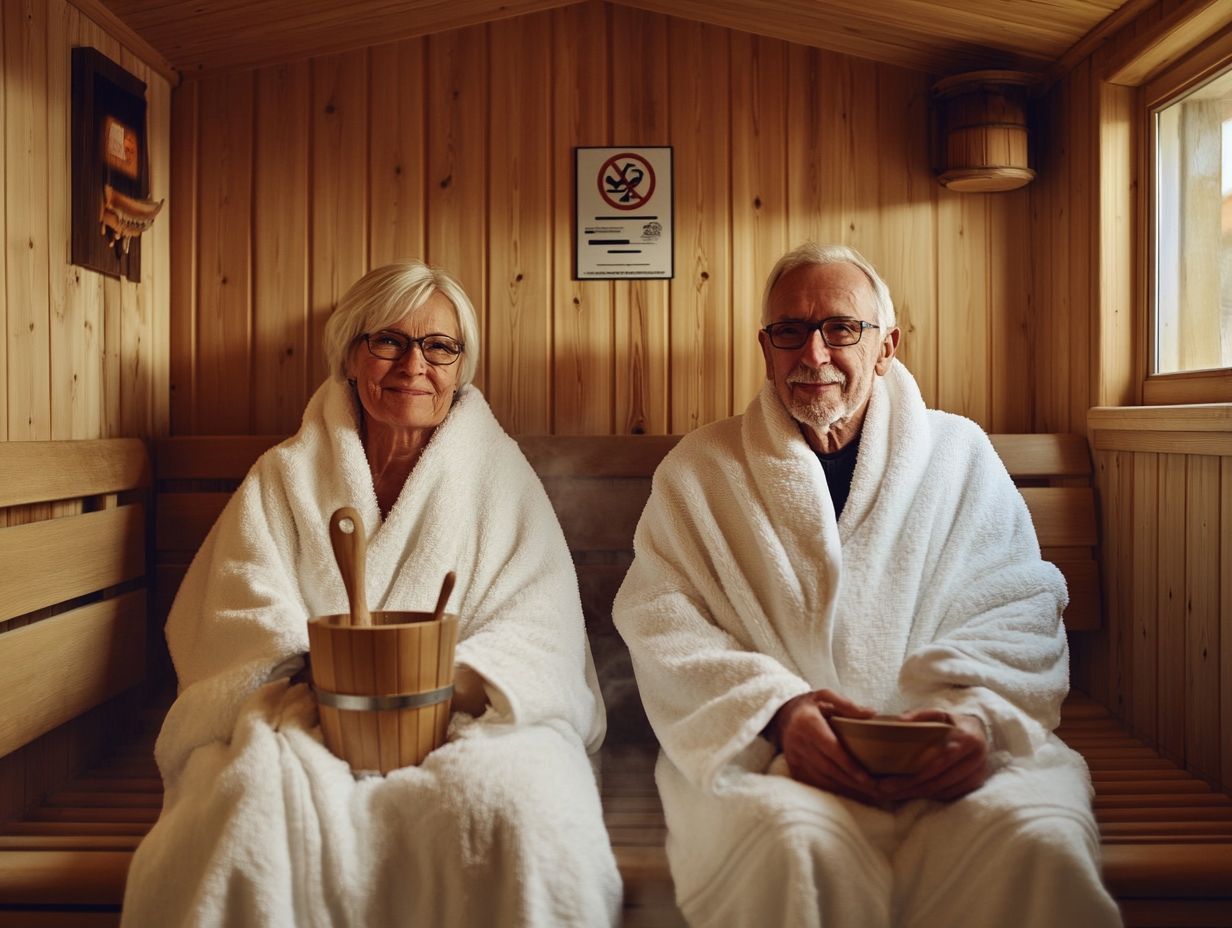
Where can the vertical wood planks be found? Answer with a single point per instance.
(1143, 609)
(185, 207)
(1225, 618)
(280, 299)
(397, 152)
(411, 148)
(640, 97)
(805, 130)
(1171, 606)
(338, 254)
(759, 196)
(906, 253)
(224, 333)
(457, 165)
(136, 315)
(1083, 253)
(156, 256)
(1202, 633)
(583, 347)
(1012, 358)
(963, 366)
(700, 293)
(520, 244)
(25, 183)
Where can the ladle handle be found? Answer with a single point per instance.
(443, 598)
(346, 534)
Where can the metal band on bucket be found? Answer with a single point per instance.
(397, 701)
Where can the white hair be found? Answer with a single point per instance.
(388, 294)
(812, 253)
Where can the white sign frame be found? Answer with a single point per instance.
(623, 212)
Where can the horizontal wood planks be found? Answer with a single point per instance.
(1167, 530)
(56, 669)
(450, 147)
(54, 560)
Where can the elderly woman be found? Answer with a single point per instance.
(261, 824)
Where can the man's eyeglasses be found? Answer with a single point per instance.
(836, 332)
(438, 350)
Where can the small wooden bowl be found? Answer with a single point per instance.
(888, 746)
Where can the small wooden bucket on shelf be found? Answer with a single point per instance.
(384, 689)
(982, 123)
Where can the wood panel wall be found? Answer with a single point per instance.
(1164, 661)
(293, 180)
(84, 355)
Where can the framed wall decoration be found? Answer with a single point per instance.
(623, 222)
(110, 166)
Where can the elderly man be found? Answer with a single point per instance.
(840, 550)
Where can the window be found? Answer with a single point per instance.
(1193, 229)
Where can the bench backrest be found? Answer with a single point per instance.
(73, 597)
(599, 485)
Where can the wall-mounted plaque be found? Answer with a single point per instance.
(623, 201)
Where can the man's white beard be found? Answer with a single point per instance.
(822, 413)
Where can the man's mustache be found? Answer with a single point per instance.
(827, 374)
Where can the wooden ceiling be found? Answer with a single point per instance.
(937, 36)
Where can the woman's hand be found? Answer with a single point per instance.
(469, 695)
(949, 770)
(813, 751)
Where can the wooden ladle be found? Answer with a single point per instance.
(443, 598)
(346, 534)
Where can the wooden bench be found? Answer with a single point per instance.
(1167, 835)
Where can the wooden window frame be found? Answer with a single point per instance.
(1163, 87)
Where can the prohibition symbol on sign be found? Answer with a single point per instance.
(626, 181)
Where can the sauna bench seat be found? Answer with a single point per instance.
(1167, 836)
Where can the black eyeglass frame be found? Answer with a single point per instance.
(367, 338)
(811, 327)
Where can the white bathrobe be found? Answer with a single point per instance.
(929, 592)
(261, 824)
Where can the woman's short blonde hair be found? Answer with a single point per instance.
(388, 294)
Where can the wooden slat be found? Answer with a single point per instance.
(280, 248)
(222, 350)
(1045, 455)
(1170, 593)
(56, 669)
(639, 110)
(56, 560)
(1062, 515)
(1186, 26)
(457, 194)
(205, 457)
(1082, 578)
(597, 456)
(582, 323)
(184, 519)
(97, 877)
(338, 210)
(37, 471)
(1202, 619)
(598, 515)
(700, 322)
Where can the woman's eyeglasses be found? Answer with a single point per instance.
(437, 350)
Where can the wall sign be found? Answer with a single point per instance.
(623, 199)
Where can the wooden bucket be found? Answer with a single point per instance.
(983, 125)
(385, 689)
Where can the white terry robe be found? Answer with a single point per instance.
(261, 824)
(929, 592)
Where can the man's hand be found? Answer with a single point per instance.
(951, 769)
(812, 750)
